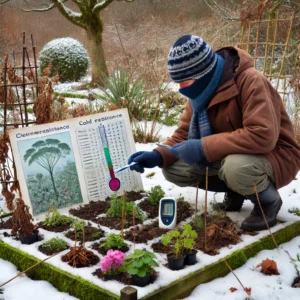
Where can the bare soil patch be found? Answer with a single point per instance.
(90, 234)
(101, 250)
(6, 224)
(56, 228)
(91, 210)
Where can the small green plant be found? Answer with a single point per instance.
(55, 245)
(54, 218)
(199, 223)
(116, 209)
(113, 241)
(181, 241)
(96, 235)
(140, 263)
(180, 199)
(155, 194)
(77, 225)
(121, 90)
(295, 211)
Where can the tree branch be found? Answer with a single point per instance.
(101, 5)
(2, 2)
(47, 8)
(219, 10)
(72, 16)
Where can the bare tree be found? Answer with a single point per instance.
(87, 18)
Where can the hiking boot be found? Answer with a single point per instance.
(232, 202)
(270, 202)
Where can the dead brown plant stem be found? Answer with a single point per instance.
(28, 269)
(195, 221)
(123, 212)
(83, 237)
(134, 229)
(257, 197)
(235, 276)
(205, 209)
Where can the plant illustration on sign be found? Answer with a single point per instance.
(46, 154)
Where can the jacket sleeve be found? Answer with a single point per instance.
(180, 135)
(260, 104)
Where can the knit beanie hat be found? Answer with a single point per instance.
(191, 58)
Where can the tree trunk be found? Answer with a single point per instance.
(54, 187)
(97, 58)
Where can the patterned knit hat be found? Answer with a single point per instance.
(191, 58)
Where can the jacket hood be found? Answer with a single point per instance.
(245, 61)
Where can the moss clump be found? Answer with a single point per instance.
(55, 245)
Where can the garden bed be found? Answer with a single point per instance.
(224, 241)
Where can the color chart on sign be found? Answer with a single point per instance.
(103, 149)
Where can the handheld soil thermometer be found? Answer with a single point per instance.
(167, 213)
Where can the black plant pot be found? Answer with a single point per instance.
(175, 263)
(190, 257)
(111, 276)
(30, 239)
(141, 281)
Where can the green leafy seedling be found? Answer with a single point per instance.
(155, 194)
(140, 263)
(116, 209)
(54, 218)
(113, 241)
(181, 241)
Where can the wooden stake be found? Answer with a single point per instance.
(205, 209)
(196, 210)
(257, 197)
(236, 277)
(28, 269)
(134, 229)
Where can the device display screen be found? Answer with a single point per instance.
(168, 209)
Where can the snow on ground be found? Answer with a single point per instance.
(273, 287)
(263, 287)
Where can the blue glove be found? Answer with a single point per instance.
(190, 151)
(145, 159)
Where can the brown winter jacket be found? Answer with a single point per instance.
(247, 116)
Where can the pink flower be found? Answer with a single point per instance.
(112, 261)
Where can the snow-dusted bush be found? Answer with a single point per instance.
(67, 58)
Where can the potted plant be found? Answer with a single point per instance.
(181, 242)
(189, 241)
(140, 265)
(111, 264)
(22, 226)
(114, 242)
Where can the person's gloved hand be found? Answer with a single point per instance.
(145, 159)
(190, 151)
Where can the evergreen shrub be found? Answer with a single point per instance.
(67, 57)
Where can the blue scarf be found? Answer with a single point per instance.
(199, 125)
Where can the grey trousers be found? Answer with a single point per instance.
(237, 171)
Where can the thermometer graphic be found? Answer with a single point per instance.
(114, 183)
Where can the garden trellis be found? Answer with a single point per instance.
(15, 83)
(269, 34)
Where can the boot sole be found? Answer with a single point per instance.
(258, 228)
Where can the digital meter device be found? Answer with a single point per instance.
(167, 213)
